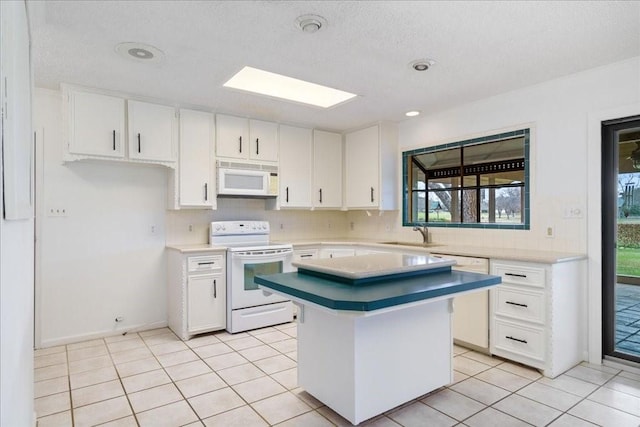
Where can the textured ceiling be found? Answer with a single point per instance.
(481, 49)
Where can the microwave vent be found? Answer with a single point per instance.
(248, 166)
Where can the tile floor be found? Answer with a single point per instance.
(152, 378)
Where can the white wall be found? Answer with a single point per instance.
(16, 236)
(286, 225)
(557, 111)
(565, 116)
(106, 257)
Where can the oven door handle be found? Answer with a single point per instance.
(268, 253)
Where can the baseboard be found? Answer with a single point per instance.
(102, 334)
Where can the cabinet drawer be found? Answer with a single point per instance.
(519, 304)
(205, 263)
(519, 339)
(520, 275)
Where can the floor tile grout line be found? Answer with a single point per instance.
(227, 384)
(617, 374)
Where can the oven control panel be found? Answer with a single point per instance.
(236, 228)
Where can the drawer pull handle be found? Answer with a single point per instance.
(516, 339)
(206, 263)
(306, 256)
(524, 276)
(215, 289)
(516, 303)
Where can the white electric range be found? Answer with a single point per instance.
(249, 253)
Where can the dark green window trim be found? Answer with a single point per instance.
(472, 170)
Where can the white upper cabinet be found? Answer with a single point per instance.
(232, 137)
(263, 141)
(371, 167)
(96, 124)
(327, 170)
(196, 168)
(241, 138)
(295, 167)
(106, 126)
(152, 131)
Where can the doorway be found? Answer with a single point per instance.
(621, 238)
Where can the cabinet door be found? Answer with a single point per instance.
(196, 169)
(327, 170)
(336, 252)
(206, 299)
(151, 131)
(232, 137)
(96, 124)
(263, 141)
(295, 167)
(362, 168)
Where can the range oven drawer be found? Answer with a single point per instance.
(208, 263)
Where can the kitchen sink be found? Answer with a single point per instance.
(415, 244)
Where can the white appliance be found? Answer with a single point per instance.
(247, 179)
(249, 254)
(471, 311)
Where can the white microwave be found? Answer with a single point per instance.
(249, 180)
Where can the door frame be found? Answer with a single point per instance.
(609, 196)
(594, 225)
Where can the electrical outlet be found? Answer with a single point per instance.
(550, 231)
(57, 211)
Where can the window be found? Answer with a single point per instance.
(482, 182)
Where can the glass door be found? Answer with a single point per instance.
(621, 238)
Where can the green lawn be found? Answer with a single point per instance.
(628, 260)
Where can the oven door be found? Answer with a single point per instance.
(245, 265)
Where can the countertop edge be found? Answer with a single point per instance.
(185, 249)
(514, 254)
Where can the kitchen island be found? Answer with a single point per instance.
(374, 331)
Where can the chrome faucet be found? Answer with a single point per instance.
(425, 233)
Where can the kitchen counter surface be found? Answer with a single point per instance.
(373, 265)
(186, 249)
(527, 255)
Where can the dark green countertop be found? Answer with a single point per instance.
(378, 295)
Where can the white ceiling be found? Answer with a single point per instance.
(481, 48)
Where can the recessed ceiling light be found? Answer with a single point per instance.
(422, 64)
(140, 52)
(278, 86)
(412, 113)
(310, 23)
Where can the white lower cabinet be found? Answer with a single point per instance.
(197, 292)
(336, 252)
(537, 314)
(305, 254)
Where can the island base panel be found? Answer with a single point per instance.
(362, 366)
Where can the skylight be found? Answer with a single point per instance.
(278, 86)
